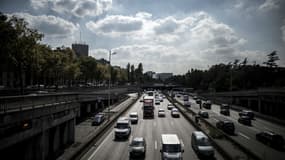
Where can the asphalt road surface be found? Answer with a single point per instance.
(245, 135)
(151, 130)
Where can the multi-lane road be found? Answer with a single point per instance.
(151, 130)
(245, 135)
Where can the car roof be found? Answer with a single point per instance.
(161, 109)
(134, 113)
(138, 139)
(170, 139)
(199, 134)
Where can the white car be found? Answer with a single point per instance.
(175, 112)
(170, 106)
(134, 117)
(161, 112)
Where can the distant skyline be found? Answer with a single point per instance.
(165, 35)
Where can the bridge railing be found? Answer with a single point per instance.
(19, 103)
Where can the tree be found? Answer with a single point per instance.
(272, 58)
(132, 74)
(128, 71)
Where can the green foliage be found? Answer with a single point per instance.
(234, 76)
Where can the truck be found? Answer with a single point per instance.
(148, 107)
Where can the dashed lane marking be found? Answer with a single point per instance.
(243, 135)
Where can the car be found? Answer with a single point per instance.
(245, 120)
(195, 97)
(207, 104)
(98, 119)
(157, 101)
(175, 112)
(247, 113)
(203, 114)
(202, 145)
(161, 99)
(198, 101)
(122, 128)
(225, 112)
(171, 147)
(187, 104)
(170, 106)
(226, 126)
(270, 138)
(178, 95)
(137, 147)
(161, 112)
(133, 116)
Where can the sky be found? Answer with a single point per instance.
(165, 35)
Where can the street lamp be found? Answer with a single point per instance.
(109, 86)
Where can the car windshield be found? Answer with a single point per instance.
(133, 116)
(203, 142)
(97, 118)
(172, 148)
(122, 125)
(137, 143)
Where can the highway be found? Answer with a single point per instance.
(151, 130)
(245, 135)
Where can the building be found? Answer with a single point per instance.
(80, 49)
(164, 76)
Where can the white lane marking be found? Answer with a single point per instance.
(243, 135)
(267, 128)
(215, 119)
(131, 137)
(255, 129)
(155, 145)
(98, 148)
(182, 143)
(154, 123)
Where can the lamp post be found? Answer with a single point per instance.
(109, 86)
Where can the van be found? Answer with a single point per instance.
(123, 128)
(201, 144)
(98, 119)
(171, 147)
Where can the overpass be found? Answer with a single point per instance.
(42, 126)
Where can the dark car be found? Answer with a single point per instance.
(250, 114)
(207, 104)
(203, 114)
(245, 120)
(225, 112)
(198, 101)
(270, 138)
(226, 126)
(98, 119)
(137, 147)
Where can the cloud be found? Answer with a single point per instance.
(283, 31)
(51, 26)
(181, 43)
(115, 25)
(78, 8)
(269, 5)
